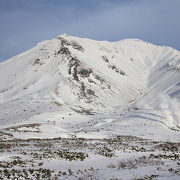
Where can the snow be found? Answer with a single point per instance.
(72, 87)
(151, 81)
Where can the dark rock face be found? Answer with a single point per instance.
(77, 69)
(91, 81)
(105, 59)
(173, 67)
(122, 73)
(84, 80)
(86, 93)
(64, 50)
(64, 42)
(77, 46)
(90, 92)
(73, 44)
(79, 72)
(83, 94)
(114, 68)
(37, 62)
(99, 78)
(73, 68)
(85, 72)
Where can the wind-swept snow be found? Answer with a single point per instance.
(133, 83)
(73, 108)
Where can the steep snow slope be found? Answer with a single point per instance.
(124, 83)
(163, 88)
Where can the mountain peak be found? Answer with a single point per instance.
(86, 76)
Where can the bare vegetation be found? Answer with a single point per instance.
(28, 159)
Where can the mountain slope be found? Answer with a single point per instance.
(129, 83)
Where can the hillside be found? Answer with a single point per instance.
(72, 89)
(129, 77)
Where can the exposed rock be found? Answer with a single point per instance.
(77, 46)
(105, 59)
(37, 61)
(83, 94)
(99, 78)
(85, 72)
(73, 44)
(64, 50)
(91, 81)
(75, 73)
(90, 92)
(73, 65)
(64, 42)
(174, 66)
(113, 67)
(77, 69)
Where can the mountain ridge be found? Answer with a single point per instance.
(124, 80)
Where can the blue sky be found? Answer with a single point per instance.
(23, 23)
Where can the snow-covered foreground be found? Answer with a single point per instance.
(69, 124)
(123, 157)
(74, 89)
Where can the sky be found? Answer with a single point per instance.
(24, 23)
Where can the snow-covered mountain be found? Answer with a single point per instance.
(128, 87)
